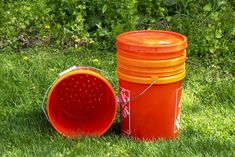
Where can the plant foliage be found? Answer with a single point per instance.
(208, 25)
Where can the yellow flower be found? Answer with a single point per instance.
(47, 26)
(52, 69)
(91, 41)
(26, 58)
(96, 61)
(77, 40)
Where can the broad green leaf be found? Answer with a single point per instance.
(218, 34)
(104, 8)
(207, 7)
(221, 3)
(215, 16)
(168, 18)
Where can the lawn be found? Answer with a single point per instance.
(207, 115)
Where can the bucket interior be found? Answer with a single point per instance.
(82, 104)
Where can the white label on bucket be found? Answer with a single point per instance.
(125, 110)
(177, 110)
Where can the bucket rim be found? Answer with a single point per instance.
(149, 80)
(151, 70)
(151, 63)
(149, 73)
(149, 55)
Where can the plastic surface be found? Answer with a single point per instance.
(150, 56)
(151, 42)
(152, 116)
(153, 60)
(150, 73)
(149, 80)
(151, 70)
(145, 71)
(151, 63)
(81, 103)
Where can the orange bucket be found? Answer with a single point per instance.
(81, 102)
(150, 88)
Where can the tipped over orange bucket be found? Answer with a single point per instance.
(150, 68)
(81, 103)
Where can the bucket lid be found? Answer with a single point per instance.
(151, 41)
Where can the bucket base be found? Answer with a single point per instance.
(153, 115)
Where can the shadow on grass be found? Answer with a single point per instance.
(25, 129)
(114, 130)
(32, 122)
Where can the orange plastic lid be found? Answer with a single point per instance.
(151, 41)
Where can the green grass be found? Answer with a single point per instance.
(207, 115)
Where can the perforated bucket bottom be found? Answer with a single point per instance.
(81, 103)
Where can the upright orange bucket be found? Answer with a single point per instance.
(81, 102)
(150, 68)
